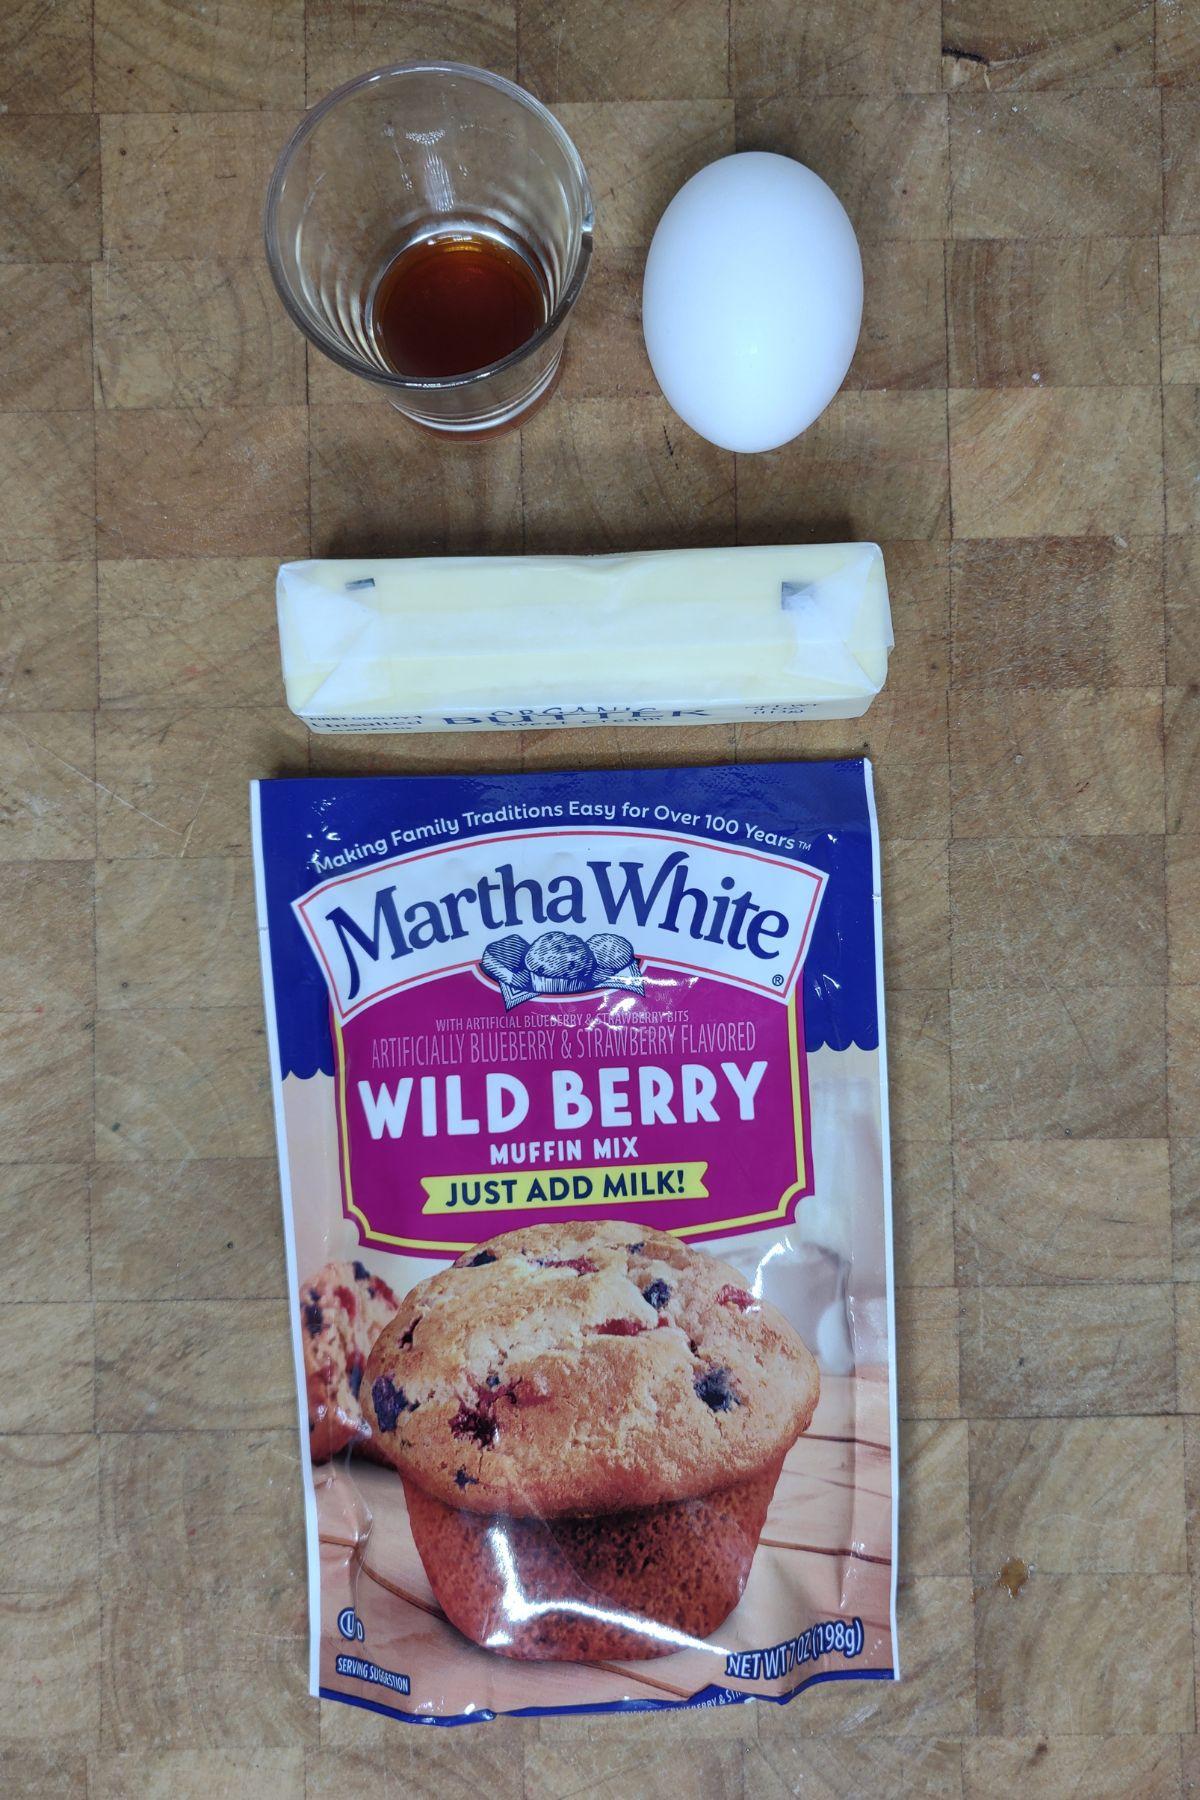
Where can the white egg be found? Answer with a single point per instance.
(752, 300)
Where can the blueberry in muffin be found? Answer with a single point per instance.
(592, 1416)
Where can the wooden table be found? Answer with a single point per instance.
(1021, 430)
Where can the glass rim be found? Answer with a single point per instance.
(324, 340)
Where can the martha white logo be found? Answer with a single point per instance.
(686, 903)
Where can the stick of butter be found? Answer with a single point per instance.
(526, 642)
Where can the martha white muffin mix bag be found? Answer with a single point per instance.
(581, 1106)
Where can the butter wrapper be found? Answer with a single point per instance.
(532, 642)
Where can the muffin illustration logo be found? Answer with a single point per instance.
(560, 963)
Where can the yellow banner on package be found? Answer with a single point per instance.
(534, 1189)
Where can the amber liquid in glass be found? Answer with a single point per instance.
(455, 303)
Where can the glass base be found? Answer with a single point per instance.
(479, 430)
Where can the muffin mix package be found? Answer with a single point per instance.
(582, 1115)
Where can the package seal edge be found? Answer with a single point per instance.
(707, 1700)
(312, 1544)
(889, 1248)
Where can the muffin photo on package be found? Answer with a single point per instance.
(343, 1309)
(581, 1106)
(602, 1412)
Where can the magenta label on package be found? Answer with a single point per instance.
(587, 1018)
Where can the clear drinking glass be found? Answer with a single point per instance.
(399, 156)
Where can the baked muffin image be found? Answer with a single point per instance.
(343, 1309)
(504, 960)
(559, 963)
(589, 1420)
(610, 952)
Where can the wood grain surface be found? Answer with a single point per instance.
(1021, 431)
